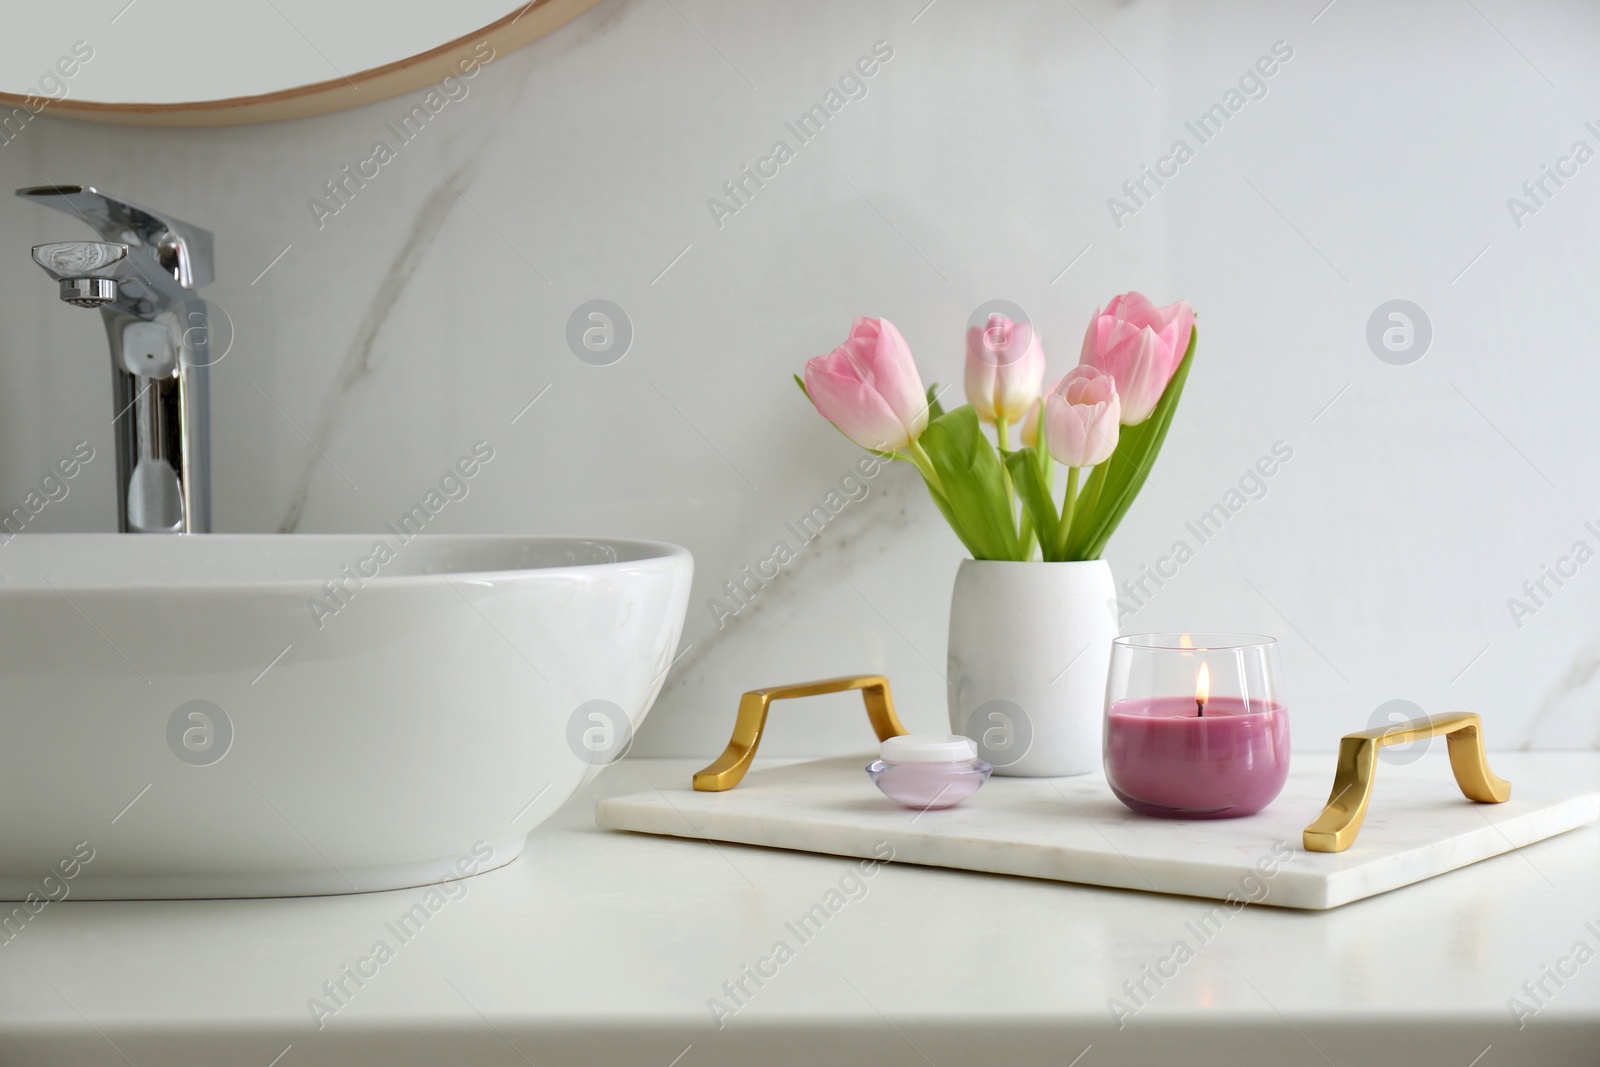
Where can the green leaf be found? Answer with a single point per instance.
(1047, 466)
(1088, 499)
(969, 471)
(1030, 537)
(1039, 508)
(935, 409)
(955, 524)
(801, 382)
(1123, 475)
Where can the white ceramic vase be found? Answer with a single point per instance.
(1030, 646)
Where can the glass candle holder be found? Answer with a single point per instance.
(1195, 727)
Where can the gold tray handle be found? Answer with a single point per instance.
(1336, 828)
(735, 760)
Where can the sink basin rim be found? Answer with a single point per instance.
(636, 552)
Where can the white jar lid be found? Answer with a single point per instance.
(929, 748)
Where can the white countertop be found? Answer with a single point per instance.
(599, 947)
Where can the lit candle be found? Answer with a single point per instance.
(1205, 756)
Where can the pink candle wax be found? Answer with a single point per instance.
(1162, 758)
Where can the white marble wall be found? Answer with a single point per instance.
(428, 312)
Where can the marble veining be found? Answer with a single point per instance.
(860, 533)
(1582, 670)
(1073, 830)
(358, 362)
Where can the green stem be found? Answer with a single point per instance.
(1047, 475)
(1003, 436)
(1068, 504)
(924, 464)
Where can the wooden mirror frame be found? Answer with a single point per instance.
(524, 25)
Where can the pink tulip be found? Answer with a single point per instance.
(1005, 366)
(1081, 413)
(869, 387)
(1140, 345)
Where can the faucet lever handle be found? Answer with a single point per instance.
(79, 259)
(83, 268)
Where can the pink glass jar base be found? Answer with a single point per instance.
(929, 786)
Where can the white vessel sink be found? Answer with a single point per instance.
(180, 718)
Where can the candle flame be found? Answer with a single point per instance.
(1184, 642)
(1202, 685)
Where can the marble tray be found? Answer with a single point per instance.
(1073, 830)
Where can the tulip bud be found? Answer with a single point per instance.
(1005, 365)
(1081, 414)
(869, 387)
(1139, 345)
(1030, 425)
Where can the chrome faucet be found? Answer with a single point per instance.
(143, 276)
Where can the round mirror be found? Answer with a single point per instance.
(205, 63)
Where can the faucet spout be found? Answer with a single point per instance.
(180, 250)
(143, 276)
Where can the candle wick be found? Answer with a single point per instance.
(1199, 707)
